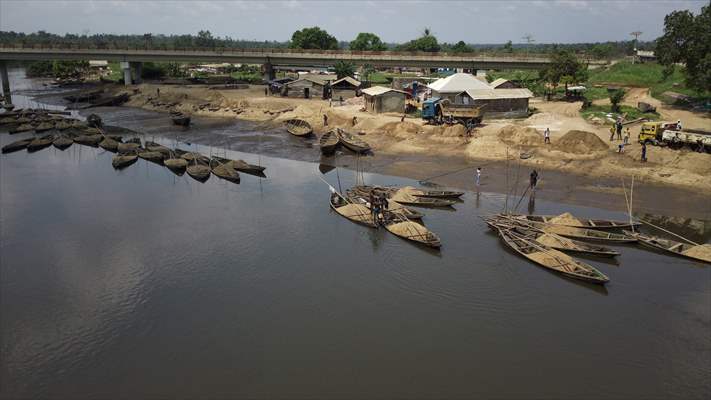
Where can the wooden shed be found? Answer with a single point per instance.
(379, 99)
(303, 88)
(498, 103)
(345, 87)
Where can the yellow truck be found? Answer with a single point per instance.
(669, 134)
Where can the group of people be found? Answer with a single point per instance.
(378, 204)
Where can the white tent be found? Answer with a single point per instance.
(457, 83)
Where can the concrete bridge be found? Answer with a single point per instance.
(131, 59)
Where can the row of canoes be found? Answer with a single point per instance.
(331, 140)
(410, 196)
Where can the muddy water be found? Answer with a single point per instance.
(140, 283)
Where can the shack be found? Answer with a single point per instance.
(304, 88)
(502, 83)
(448, 88)
(379, 99)
(345, 87)
(497, 103)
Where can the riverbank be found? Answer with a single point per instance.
(587, 153)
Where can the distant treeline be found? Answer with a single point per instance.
(205, 39)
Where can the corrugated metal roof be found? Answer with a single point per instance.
(457, 83)
(492, 94)
(498, 82)
(306, 79)
(348, 79)
(378, 90)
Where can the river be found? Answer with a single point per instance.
(142, 284)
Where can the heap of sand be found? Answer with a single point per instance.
(580, 142)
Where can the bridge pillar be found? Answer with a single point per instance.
(137, 71)
(126, 68)
(5, 82)
(269, 72)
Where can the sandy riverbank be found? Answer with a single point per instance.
(588, 152)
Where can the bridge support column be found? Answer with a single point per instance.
(269, 72)
(126, 68)
(5, 82)
(137, 71)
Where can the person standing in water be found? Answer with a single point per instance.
(478, 176)
(534, 179)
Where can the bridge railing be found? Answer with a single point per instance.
(271, 51)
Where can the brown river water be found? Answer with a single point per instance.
(142, 284)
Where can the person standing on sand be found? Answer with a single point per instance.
(403, 118)
(547, 136)
(355, 120)
(158, 91)
(325, 120)
(534, 179)
(644, 152)
(612, 133)
(619, 129)
(627, 136)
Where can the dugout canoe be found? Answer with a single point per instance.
(226, 172)
(407, 199)
(298, 127)
(62, 142)
(180, 119)
(121, 161)
(551, 259)
(328, 142)
(357, 213)
(127, 148)
(393, 206)
(176, 165)
(193, 156)
(437, 194)
(153, 146)
(352, 142)
(567, 219)
(687, 250)
(199, 172)
(44, 126)
(409, 230)
(573, 233)
(556, 241)
(109, 144)
(89, 140)
(16, 146)
(40, 143)
(22, 127)
(152, 156)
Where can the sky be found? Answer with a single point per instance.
(548, 21)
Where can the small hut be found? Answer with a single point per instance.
(502, 83)
(305, 88)
(497, 103)
(379, 99)
(345, 87)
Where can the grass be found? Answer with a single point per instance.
(247, 76)
(602, 112)
(644, 75)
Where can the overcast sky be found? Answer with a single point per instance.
(394, 21)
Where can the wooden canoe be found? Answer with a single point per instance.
(687, 250)
(122, 161)
(357, 213)
(181, 119)
(328, 142)
(153, 146)
(89, 140)
(242, 166)
(405, 198)
(40, 143)
(62, 142)
(226, 172)
(437, 194)
(152, 156)
(192, 157)
(409, 230)
(573, 233)
(298, 127)
(556, 241)
(177, 165)
(199, 172)
(127, 148)
(24, 127)
(567, 219)
(16, 146)
(44, 126)
(109, 144)
(393, 206)
(352, 142)
(551, 259)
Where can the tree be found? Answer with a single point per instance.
(313, 38)
(564, 64)
(461, 47)
(367, 71)
(367, 42)
(508, 47)
(616, 96)
(205, 39)
(687, 40)
(344, 69)
(427, 42)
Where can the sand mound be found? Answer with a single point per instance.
(457, 130)
(402, 130)
(520, 135)
(566, 219)
(703, 252)
(580, 142)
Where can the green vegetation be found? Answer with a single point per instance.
(344, 69)
(427, 42)
(460, 47)
(367, 41)
(313, 38)
(616, 97)
(649, 75)
(687, 40)
(602, 112)
(57, 69)
(564, 69)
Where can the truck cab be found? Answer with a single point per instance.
(431, 108)
(651, 132)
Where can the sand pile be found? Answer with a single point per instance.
(402, 130)
(580, 142)
(520, 135)
(566, 219)
(549, 240)
(702, 252)
(457, 130)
